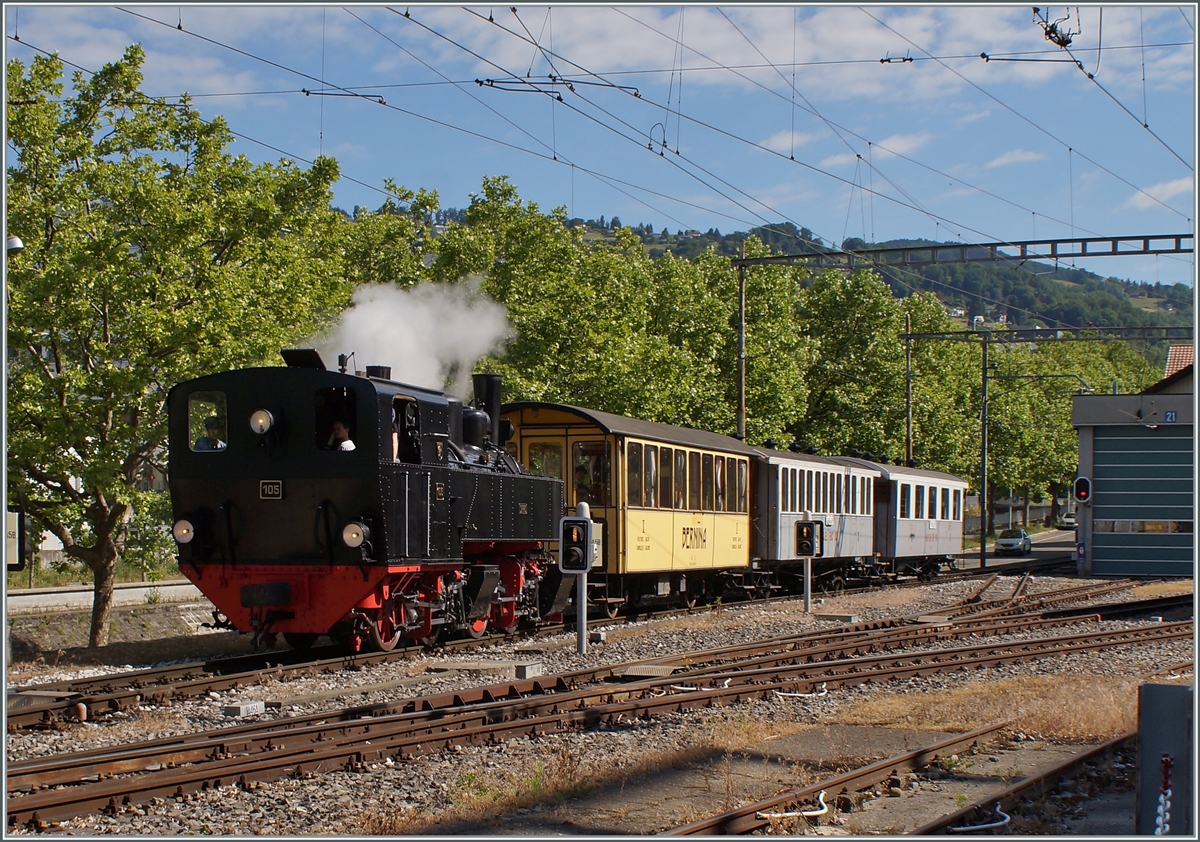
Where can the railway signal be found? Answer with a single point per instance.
(575, 545)
(810, 538)
(1083, 489)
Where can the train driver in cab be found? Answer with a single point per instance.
(211, 440)
(339, 437)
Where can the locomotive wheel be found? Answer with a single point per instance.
(300, 640)
(384, 639)
(611, 609)
(477, 628)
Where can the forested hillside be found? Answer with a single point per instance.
(1036, 293)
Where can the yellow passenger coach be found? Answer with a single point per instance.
(672, 504)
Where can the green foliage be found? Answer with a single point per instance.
(151, 256)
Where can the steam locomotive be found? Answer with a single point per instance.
(417, 524)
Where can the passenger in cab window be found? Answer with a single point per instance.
(339, 438)
(211, 440)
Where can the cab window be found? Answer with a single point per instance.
(406, 431)
(336, 417)
(206, 421)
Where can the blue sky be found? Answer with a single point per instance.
(752, 114)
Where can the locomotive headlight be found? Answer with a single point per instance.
(355, 533)
(261, 421)
(183, 531)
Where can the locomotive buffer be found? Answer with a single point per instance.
(810, 544)
(576, 554)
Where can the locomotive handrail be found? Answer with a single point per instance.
(225, 512)
(322, 519)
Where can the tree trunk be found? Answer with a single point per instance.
(102, 596)
(1025, 515)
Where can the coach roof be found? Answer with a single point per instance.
(636, 428)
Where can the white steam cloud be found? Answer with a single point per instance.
(431, 335)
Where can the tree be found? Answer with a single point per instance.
(151, 256)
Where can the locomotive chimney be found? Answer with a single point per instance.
(487, 398)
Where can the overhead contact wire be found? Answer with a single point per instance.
(1027, 120)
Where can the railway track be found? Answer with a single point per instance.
(46, 704)
(350, 739)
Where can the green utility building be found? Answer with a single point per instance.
(1139, 453)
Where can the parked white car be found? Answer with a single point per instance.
(1067, 521)
(1015, 541)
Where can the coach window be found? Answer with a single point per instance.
(905, 491)
(546, 459)
(731, 484)
(651, 476)
(795, 489)
(957, 504)
(719, 482)
(919, 501)
(945, 504)
(633, 472)
(707, 487)
(335, 406)
(824, 491)
(807, 503)
(933, 498)
(666, 474)
(868, 492)
(853, 496)
(743, 470)
(681, 460)
(837, 481)
(206, 421)
(694, 478)
(590, 468)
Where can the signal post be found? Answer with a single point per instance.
(575, 557)
(810, 544)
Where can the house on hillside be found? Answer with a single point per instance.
(1138, 451)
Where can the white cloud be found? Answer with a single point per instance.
(1015, 156)
(1163, 192)
(904, 144)
(785, 141)
(838, 160)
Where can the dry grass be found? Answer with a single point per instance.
(1071, 708)
(1171, 587)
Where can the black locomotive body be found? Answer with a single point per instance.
(309, 502)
